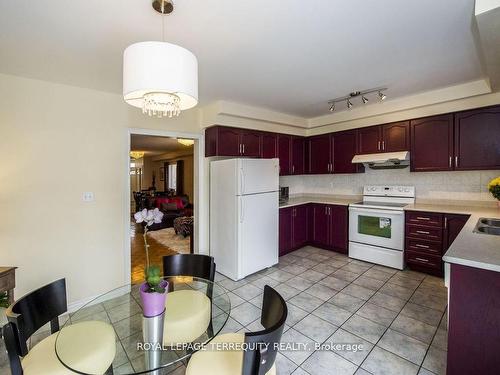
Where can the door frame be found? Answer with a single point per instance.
(200, 204)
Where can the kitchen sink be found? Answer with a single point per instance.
(488, 226)
(491, 222)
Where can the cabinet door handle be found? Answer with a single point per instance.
(422, 246)
(422, 232)
(423, 218)
(243, 148)
(422, 260)
(450, 162)
(383, 145)
(445, 222)
(378, 145)
(293, 168)
(456, 161)
(326, 210)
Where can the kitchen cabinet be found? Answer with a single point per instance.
(396, 136)
(298, 155)
(344, 147)
(285, 230)
(474, 321)
(320, 156)
(330, 227)
(477, 139)
(390, 137)
(369, 140)
(339, 228)
(432, 144)
(453, 224)
(293, 229)
(428, 237)
(228, 141)
(269, 146)
(299, 226)
(285, 154)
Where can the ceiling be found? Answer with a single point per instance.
(289, 56)
(153, 145)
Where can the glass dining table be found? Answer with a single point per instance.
(143, 345)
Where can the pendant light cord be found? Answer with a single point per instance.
(163, 20)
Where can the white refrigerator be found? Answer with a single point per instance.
(244, 215)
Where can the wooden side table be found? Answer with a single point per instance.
(8, 282)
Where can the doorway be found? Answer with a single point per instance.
(165, 172)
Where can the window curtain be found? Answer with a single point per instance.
(180, 177)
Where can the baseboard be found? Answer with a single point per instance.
(76, 305)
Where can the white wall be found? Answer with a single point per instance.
(470, 186)
(58, 141)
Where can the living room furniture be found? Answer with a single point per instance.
(172, 208)
(126, 300)
(8, 282)
(93, 340)
(258, 360)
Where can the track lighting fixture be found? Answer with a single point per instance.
(362, 94)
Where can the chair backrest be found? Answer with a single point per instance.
(195, 265)
(33, 311)
(274, 313)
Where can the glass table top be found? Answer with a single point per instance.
(196, 311)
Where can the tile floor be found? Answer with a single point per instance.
(399, 317)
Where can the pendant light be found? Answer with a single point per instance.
(160, 77)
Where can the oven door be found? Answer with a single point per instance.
(376, 227)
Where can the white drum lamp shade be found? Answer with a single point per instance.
(159, 77)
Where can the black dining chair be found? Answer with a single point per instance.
(188, 311)
(260, 355)
(27, 315)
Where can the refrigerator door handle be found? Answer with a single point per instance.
(242, 181)
(242, 215)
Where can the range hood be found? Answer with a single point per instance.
(385, 160)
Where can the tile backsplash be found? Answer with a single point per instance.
(471, 186)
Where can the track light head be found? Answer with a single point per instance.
(349, 104)
(381, 95)
(364, 99)
(332, 107)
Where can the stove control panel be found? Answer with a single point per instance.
(389, 191)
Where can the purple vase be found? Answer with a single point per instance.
(153, 304)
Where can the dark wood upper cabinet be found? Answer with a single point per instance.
(396, 136)
(344, 145)
(285, 154)
(228, 142)
(250, 143)
(269, 145)
(320, 156)
(477, 139)
(298, 155)
(432, 143)
(369, 140)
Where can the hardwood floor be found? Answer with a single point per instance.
(138, 255)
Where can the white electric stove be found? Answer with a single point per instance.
(376, 225)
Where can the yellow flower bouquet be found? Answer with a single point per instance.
(494, 188)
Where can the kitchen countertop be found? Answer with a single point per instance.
(469, 249)
(341, 200)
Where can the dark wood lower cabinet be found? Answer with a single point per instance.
(428, 237)
(321, 225)
(474, 321)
